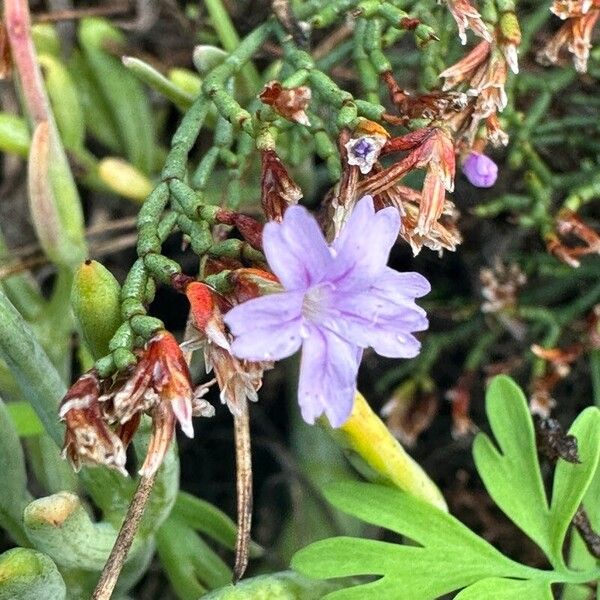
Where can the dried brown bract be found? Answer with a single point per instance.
(500, 287)
(278, 189)
(290, 103)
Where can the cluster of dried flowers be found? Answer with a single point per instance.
(102, 415)
(580, 18)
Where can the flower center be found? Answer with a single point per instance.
(362, 148)
(316, 305)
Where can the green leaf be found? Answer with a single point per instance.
(442, 555)
(24, 419)
(571, 481)
(496, 588)
(511, 474)
(14, 496)
(205, 517)
(465, 557)
(191, 565)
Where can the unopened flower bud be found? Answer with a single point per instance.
(480, 170)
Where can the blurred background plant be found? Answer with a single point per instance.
(91, 98)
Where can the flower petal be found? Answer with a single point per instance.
(265, 311)
(268, 327)
(327, 376)
(372, 318)
(396, 345)
(296, 250)
(397, 286)
(364, 244)
(269, 343)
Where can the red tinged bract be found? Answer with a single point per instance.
(102, 416)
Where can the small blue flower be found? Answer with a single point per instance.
(338, 300)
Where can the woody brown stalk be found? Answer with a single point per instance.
(114, 564)
(241, 424)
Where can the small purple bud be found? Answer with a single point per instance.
(480, 170)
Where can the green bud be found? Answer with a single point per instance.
(124, 179)
(424, 34)
(53, 199)
(186, 80)
(95, 298)
(207, 58)
(14, 135)
(29, 575)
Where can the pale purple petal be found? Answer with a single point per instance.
(395, 345)
(327, 377)
(398, 286)
(368, 319)
(264, 311)
(296, 250)
(269, 343)
(268, 327)
(363, 246)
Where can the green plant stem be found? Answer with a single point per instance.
(230, 40)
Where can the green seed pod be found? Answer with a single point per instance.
(14, 135)
(64, 99)
(29, 575)
(95, 298)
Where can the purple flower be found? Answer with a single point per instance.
(364, 151)
(338, 300)
(480, 170)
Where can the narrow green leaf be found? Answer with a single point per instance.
(512, 474)
(496, 588)
(191, 565)
(208, 519)
(157, 81)
(14, 496)
(24, 419)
